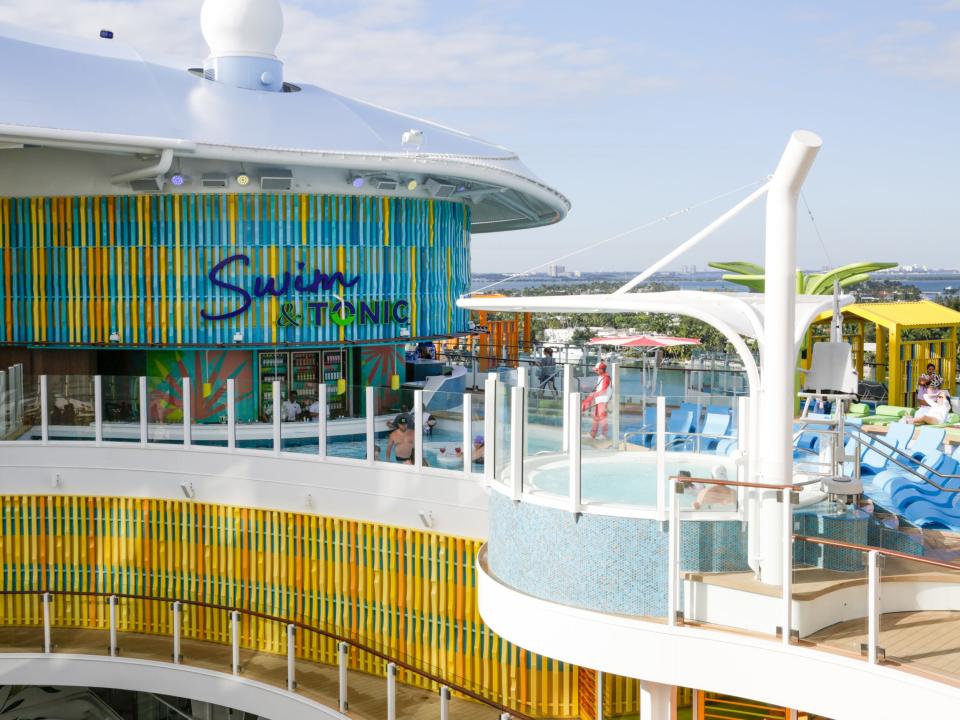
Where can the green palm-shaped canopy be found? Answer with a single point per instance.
(752, 276)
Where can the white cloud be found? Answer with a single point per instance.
(386, 51)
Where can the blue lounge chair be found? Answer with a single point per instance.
(927, 442)
(637, 434)
(694, 416)
(716, 425)
(678, 428)
(906, 488)
(874, 459)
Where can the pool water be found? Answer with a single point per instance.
(625, 478)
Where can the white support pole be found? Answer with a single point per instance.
(113, 600)
(370, 424)
(673, 556)
(743, 406)
(490, 448)
(322, 420)
(98, 409)
(391, 691)
(277, 412)
(4, 404)
(231, 413)
(44, 410)
(177, 614)
(291, 657)
(658, 701)
(598, 712)
(187, 439)
(516, 442)
(523, 382)
(235, 641)
(873, 605)
(418, 429)
(663, 482)
(47, 599)
(778, 349)
(786, 560)
(567, 417)
(615, 404)
(144, 409)
(342, 675)
(444, 703)
(573, 442)
(467, 440)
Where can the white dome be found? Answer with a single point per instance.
(242, 27)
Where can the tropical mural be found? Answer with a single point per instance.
(208, 371)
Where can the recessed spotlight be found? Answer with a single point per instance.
(177, 179)
(357, 182)
(411, 185)
(243, 179)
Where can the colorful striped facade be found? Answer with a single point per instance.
(76, 270)
(409, 592)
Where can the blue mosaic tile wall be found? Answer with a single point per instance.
(609, 564)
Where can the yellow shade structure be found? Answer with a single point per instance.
(899, 361)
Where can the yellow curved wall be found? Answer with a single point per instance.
(409, 592)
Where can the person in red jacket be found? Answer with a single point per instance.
(597, 401)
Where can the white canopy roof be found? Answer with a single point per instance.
(100, 96)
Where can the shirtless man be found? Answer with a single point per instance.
(402, 439)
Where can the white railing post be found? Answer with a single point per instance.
(235, 641)
(523, 382)
(113, 600)
(516, 441)
(44, 410)
(322, 420)
(371, 425)
(176, 632)
(673, 554)
(567, 417)
(615, 404)
(786, 559)
(489, 428)
(444, 703)
(231, 413)
(663, 482)
(277, 412)
(47, 599)
(467, 434)
(573, 442)
(291, 657)
(598, 713)
(144, 409)
(743, 410)
(187, 439)
(4, 404)
(342, 676)
(391, 691)
(873, 605)
(418, 429)
(98, 409)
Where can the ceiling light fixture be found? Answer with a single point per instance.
(243, 179)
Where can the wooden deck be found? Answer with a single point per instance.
(366, 695)
(928, 641)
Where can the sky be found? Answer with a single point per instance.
(635, 110)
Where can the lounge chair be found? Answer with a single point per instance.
(928, 441)
(678, 427)
(875, 458)
(887, 414)
(716, 427)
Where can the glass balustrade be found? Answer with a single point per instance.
(443, 436)
(120, 408)
(346, 427)
(165, 400)
(71, 407)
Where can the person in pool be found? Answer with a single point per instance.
(477, 456)
(401, 440)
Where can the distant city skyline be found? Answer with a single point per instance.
(635, 110)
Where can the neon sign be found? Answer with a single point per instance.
(341, 312)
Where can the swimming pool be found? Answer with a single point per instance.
(627, 478)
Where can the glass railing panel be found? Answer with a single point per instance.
(144, 628)
(346, 421)
(546, 462)
(298, 418)
(442, 430)
(20, 406)
(393, 425)
(263, 650)
(165, 410)
(918, 623)
(820, 569)
(478, 440)
(503, 425)
(120, 408)
(72, 411)
(206, 637)
(208, 413)
(21, 624)
(70, 619)
(316, 667)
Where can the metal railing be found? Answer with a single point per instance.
(296, 640)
